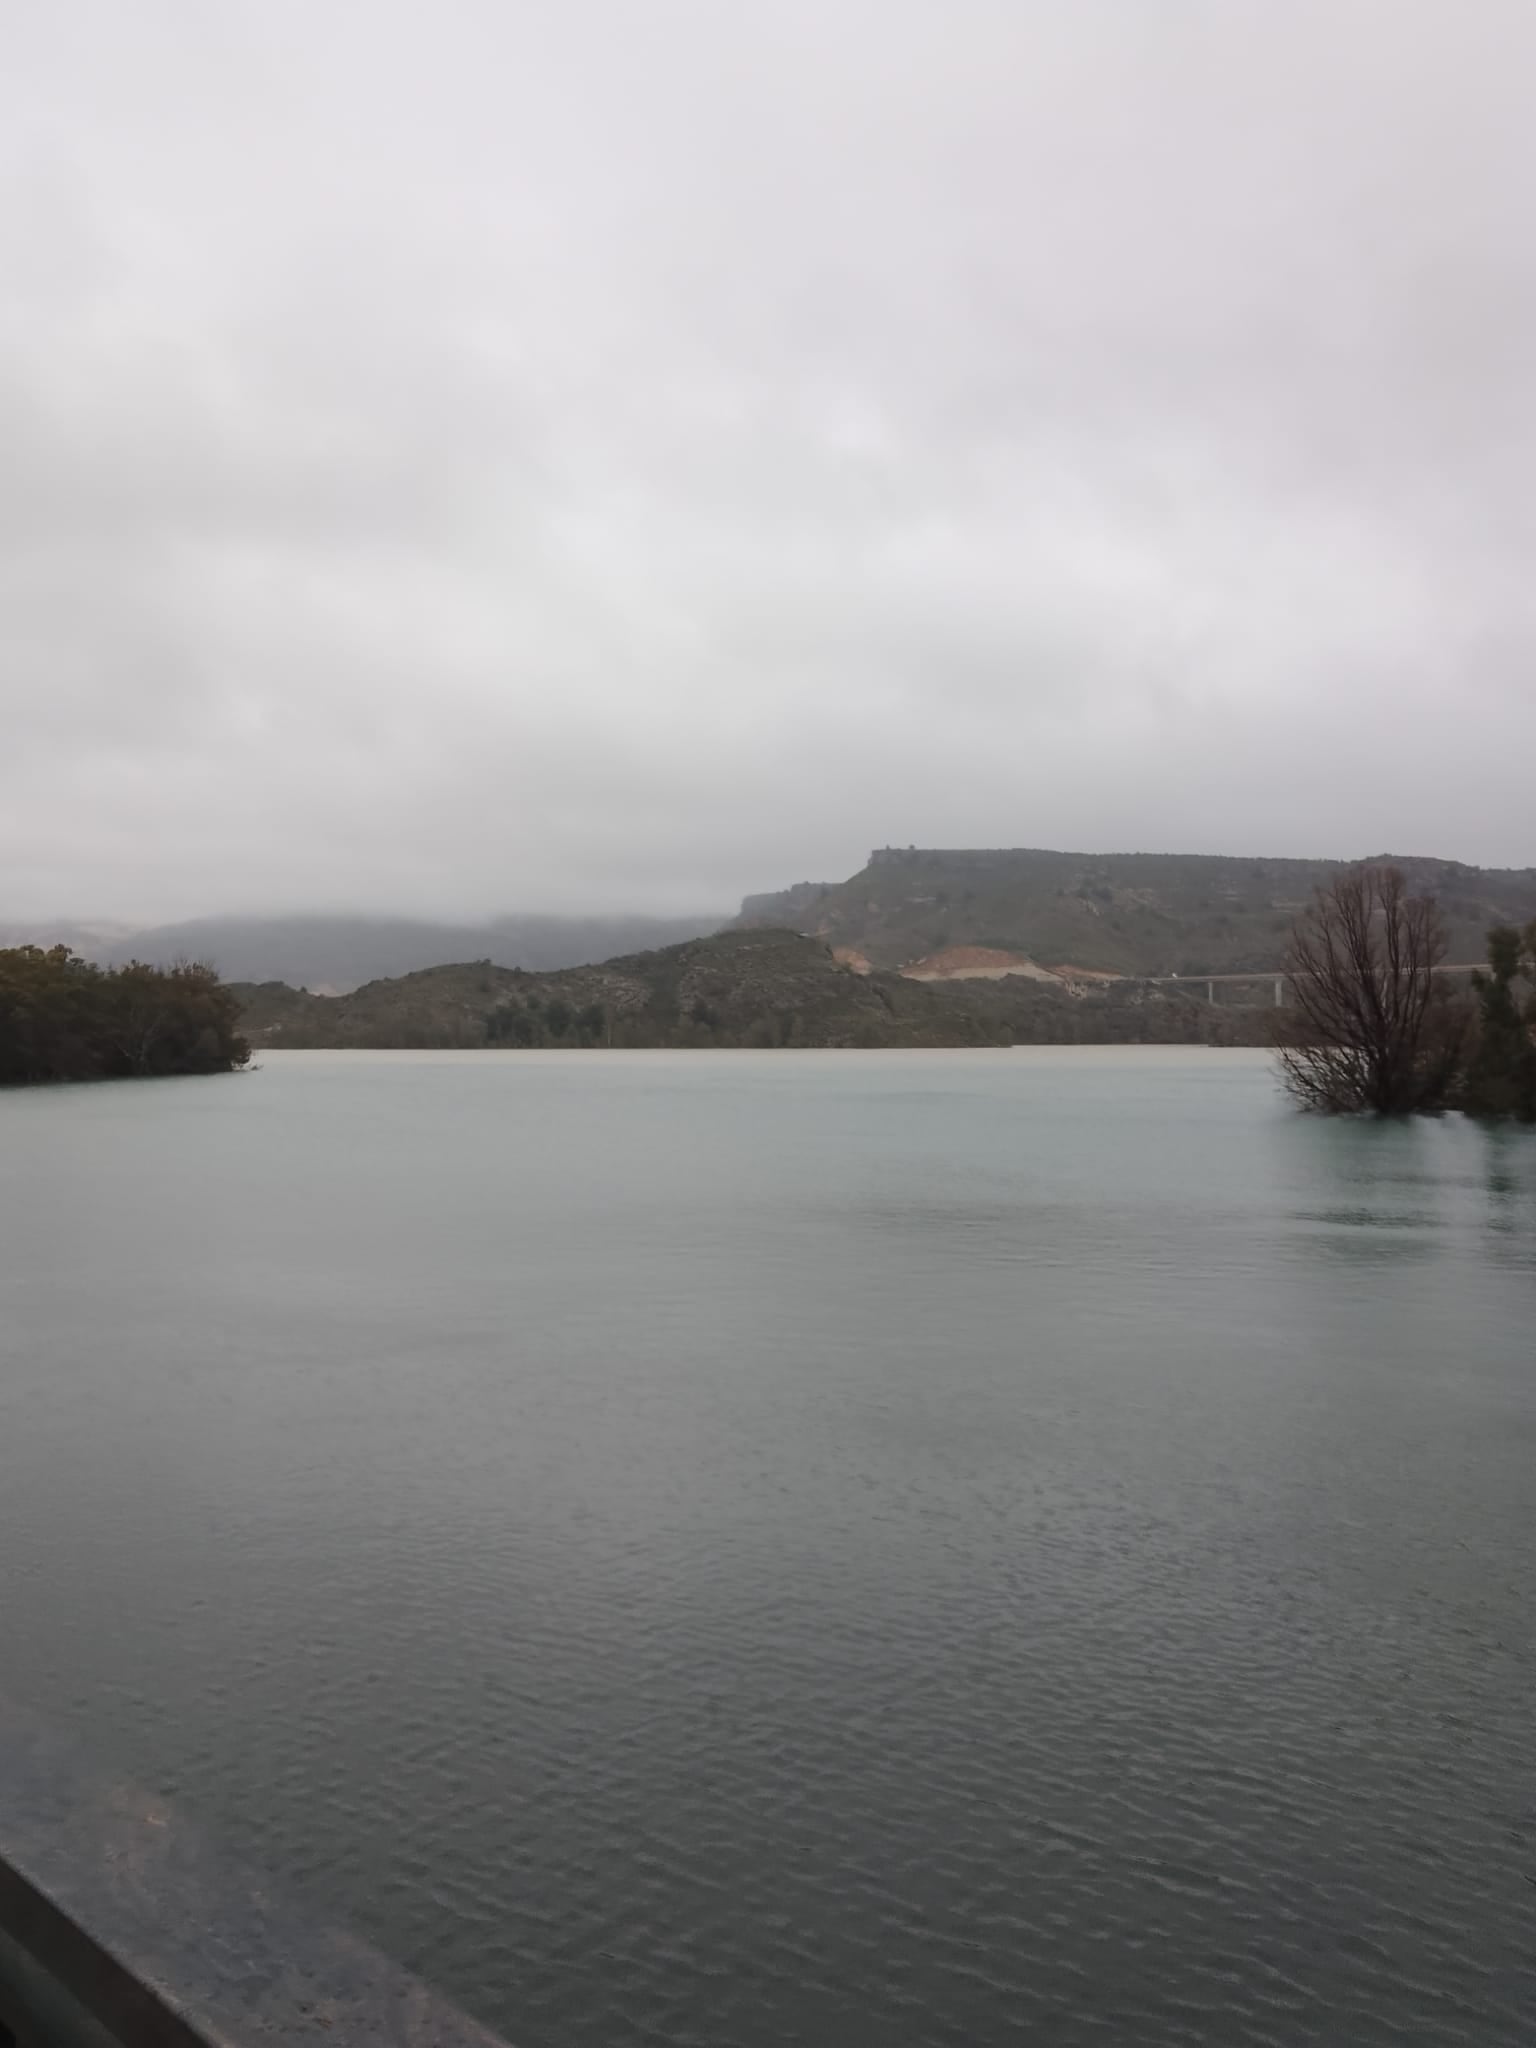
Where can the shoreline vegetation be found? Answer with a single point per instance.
(64, 1019)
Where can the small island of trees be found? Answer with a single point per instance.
(63, 1019)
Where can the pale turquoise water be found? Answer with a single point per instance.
(840, 1548)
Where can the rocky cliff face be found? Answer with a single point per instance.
(1127, 913)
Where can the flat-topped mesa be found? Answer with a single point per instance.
(1137, 915)
(960, 856)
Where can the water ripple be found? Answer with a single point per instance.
(1045, 1564)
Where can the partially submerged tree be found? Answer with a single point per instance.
(1369, 1028)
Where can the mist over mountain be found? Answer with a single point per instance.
(929, 909)
(338, 953)
(91, 938)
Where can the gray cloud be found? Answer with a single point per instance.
(584, 455)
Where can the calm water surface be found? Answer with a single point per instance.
(751, 1548)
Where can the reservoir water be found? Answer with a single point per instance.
(747, 1548)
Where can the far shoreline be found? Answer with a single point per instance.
(577, 1054)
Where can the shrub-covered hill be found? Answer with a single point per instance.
(737, 988)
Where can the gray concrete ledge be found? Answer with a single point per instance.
(122, 1926)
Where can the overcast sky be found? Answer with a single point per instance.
(575, 454)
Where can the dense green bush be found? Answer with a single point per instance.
(62, 1019)
(1500, 1078)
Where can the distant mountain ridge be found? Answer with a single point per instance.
(1135, 914)
(339, 953)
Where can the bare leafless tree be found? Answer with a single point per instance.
(1369, 1027)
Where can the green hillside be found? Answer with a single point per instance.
(756, 987)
